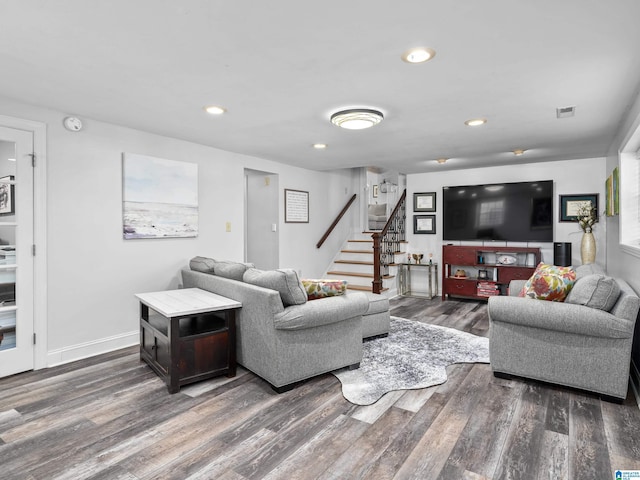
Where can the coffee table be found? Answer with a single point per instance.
(188, 335)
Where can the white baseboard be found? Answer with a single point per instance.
(90, 349)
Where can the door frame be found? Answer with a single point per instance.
(39, 132)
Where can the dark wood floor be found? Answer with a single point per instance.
(110, 417)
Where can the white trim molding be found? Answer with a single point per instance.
(39, 131)
(81, 351)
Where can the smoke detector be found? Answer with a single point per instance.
(565, 112)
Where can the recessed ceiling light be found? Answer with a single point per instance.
(442, 160)
(215, 110)
(357, 118)
(319, 146)
(418, 55)
(11, 159)
(518, 151)
(475, 122)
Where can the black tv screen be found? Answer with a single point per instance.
(515, 212)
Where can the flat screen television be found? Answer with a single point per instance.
(512, 212)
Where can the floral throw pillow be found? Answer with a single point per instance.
(549, 282)
(324, 288)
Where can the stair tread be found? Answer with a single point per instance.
(354, 262)
(362, 288)
(354, 274)
(358, 251)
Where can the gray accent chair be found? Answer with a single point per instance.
(568, 343)
(377, 215)
(287, 344)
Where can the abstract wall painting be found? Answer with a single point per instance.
(160, 197)
(608, 206)
(616, 192)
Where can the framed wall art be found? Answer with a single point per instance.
(160, 198)
(424, 224)
(7, 193)
(424, 202)
(296, 206)
(570, 205)
(608, 201)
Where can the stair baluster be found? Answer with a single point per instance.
(387, 242)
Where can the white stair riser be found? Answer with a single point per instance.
(360, 257)
(354, 268)
(360, 245)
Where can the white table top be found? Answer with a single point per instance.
(187, 301)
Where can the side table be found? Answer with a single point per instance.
(404, 279)
(188, 335)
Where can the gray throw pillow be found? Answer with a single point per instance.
(285, 281)
(202, 264)
(231, 270)
(595, 291)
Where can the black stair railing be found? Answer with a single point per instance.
(386, 242)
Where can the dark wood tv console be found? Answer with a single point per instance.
(479, 271)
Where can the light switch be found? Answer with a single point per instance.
(274, 227)
(228, 226)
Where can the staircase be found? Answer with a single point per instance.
(354, 264)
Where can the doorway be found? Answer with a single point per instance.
(261, 219)
(17, 351)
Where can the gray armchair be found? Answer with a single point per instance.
(571, 344)
(377, 216)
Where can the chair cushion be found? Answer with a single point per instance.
(378, 209)
(595, 291)
(284, 280)
(549, 282)
(377, 303)
(324, 288)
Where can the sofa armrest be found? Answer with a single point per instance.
(323, 311)
(558, 316)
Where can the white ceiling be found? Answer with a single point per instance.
(282, 67)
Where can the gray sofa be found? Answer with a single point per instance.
(584, 342)
(281, 342)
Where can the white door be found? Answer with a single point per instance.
(16, 256)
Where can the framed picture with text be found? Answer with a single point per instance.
(296, 206)
(570, 205)
(424, 224)
(424, 202)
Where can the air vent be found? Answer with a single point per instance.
(564, 112)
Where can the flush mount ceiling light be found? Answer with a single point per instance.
(475, 122)
(319, 146)
(215, 109)
(518, 151)
(442, 160)
(357, 118)
(418, 55)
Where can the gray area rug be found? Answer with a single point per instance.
(414, 355)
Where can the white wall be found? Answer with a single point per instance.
(569, 176)
(619, 261)
(93, 273)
